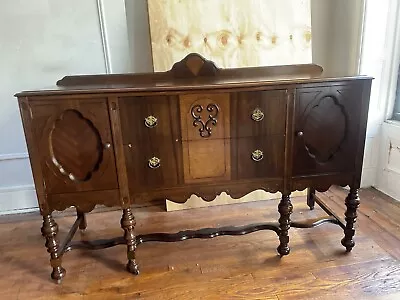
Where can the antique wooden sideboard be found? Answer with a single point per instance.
(121, 139)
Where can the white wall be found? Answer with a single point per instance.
(43, 40)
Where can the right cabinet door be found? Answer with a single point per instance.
(327, 120)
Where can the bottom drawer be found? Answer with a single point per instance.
(153, 164)
(257, 157)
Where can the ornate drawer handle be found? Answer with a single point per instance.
(150, 121)
(257, 155)
(257, 115)
(154, 162)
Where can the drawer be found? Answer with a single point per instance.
(149, 118)
(258, 157)
(258, 113)
(153, 164)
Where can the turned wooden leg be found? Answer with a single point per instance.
(310, 198)
(50, 230)
(83, 223)
(285, 209)
(128, 225)
(352, 203)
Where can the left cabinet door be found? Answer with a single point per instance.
(74, 142)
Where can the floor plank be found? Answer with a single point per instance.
(245, 267)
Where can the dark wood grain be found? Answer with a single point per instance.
(288, 185)
(271, 103)
(50, 230)
(121, 161)
(327, 129)
(83, 221)
(74, 137)
(271, 164)
(128, 223)
(208, 192)
(142, 143)
(310, 198)
(34, 154)
(285, 209)
(204, 233)
(193, 65)
(84, 201)
(365, 91)
(352, 202)
(116, 140)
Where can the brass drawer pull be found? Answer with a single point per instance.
(257, 155)
(154, 162)
(150, 121)
(257, 115)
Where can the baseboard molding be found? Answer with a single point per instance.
(13, 156)
(18, 199)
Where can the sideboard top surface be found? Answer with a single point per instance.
(192, 73)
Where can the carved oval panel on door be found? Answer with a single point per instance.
(324, 128)
(74, 132)
(325, 136)
(75, 144)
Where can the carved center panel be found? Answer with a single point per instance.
(75, 146)
(205, 120)
(325, 128)
(205, 130)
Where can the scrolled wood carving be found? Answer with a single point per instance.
(208, 194)
(83, 206)
(205, 126)
(321, 185)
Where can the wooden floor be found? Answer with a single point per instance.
(245, 267)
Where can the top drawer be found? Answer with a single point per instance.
(149, 119)
(258, 113)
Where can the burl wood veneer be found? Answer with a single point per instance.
(121, 139)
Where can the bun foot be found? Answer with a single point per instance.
(132, 267)
(58, 274)
(348, 244)
(283, 250)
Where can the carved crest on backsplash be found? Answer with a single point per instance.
(205, 125)
(194, 65)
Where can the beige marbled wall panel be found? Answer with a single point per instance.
(232, 33)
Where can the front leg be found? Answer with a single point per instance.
(83, 223)
(352, 203)
(310, 198)
(128, 225)
(285, 209)
(49, 231)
